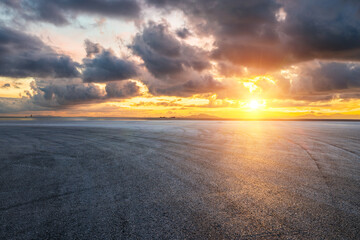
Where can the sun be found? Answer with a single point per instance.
(254, 104)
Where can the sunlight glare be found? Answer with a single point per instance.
(254, 104)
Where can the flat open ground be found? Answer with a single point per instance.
(179, 179)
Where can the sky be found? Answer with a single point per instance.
(190, 58)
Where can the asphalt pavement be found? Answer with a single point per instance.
(179, 180)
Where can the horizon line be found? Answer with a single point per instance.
(189, 118)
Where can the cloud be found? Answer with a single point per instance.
(92, 48)
(124, 89)
(13, 105)
(235, 25)
(273, 34)
(172, 103)
(317, 41)
(331, 77)
(326, 29)
(183, 33)
(315, 81)
(266, 57)
(6, 85)
(55, 94)
(164, 56)
(225, 17)
(176, 68)
(59, 12)
(23, 55)
(61, 95)
(105, 66)
(229, 69)
(201, 84)
(59, 85)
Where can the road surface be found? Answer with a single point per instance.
(179, 180)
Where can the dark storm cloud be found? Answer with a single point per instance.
(324, 29)
(58, 12)
(124, 89)
(166, 57)
(245, 32)
(56, 95)
(6, 85)
(227, 17)
(255, 34)
(316, 81)
(23, 55)
(330, 77)
(159, 39)
(177, 69)
(336, 76)
(183, 33)
(105, 67)
(92, 48)
(60, 95)
(328, 29)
